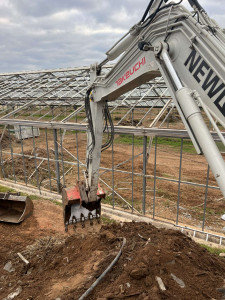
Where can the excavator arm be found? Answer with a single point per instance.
(188, 50)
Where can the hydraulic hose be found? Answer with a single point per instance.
(195, 3)
(147, 10)
(104, 273)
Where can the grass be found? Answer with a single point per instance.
(50, 116)
(107, 220)
(166, 194)
(127, 139)
(213, 212)
(213, 250)
(4, 189)
(107, 200)
(38, 197)
(174, 143)
(220, 146)
(56, 202)
(167, 203)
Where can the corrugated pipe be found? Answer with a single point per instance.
(104, 273)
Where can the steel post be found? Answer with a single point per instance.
(11, 150)
(179, 182)
(24, 167)
(2, 162)
(144, 173)
(61, 146)
(205, 201)
(154, 196)
(57, 169)
(77, 145)
(35, 160)
(49, 171)
(132, 156)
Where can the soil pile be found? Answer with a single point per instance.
(155, 263)
(7, 139)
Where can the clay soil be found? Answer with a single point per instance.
(64, 265)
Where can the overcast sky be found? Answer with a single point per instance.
(49, 34)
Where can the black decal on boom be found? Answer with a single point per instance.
(200, 70)
(209, 81)
(191, 58)
(212, 83)
(221, 106)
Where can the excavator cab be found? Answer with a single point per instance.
(14, 208)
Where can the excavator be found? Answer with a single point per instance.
(188, 49)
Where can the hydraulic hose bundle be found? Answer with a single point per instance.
(109, 128)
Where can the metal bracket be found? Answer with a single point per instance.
(145, 46)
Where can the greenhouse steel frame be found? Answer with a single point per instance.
(52, 101)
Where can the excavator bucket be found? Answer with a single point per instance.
(75, 209)
(14, 208)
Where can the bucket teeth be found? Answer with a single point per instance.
(82, 219)
(77, 210)
(98, 215)
(76, 213)
(74, 222)
(90, 216)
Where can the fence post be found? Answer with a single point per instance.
(49, 171)
(154, 197)
(178, 196)
(144, 173)
(56, 160)
(206, 195)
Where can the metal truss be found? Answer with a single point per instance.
(58, 96)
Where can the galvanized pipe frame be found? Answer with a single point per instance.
(62, 86)
(134, 131)
(141, 99)
(36, 88)
(104, 169)
(173, 133)
(35, 109)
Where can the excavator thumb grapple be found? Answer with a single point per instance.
(76, 207)
(14, 208)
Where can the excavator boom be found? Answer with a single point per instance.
(188, 49)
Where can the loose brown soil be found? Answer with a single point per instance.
(7, 139)
(65, 265)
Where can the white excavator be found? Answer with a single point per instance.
(188, 49)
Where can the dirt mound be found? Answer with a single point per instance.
(186, 270)
(6, 139)
(65, 265)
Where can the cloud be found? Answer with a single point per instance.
(50, 34)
